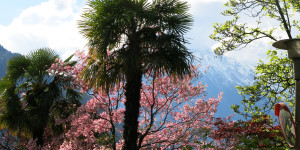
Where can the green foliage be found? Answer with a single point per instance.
(273, 83)
(104, 138)
(124, 34)
(273, 80)
(31, 97)
(234, 34)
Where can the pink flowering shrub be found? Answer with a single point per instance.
(174, 112)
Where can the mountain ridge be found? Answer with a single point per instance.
(5, 55)
(223, 75)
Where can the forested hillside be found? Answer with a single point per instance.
(4, 56)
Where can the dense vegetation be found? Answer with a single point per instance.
(31, 98)
(274, 79)
(138, 68)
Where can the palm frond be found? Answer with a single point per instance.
(128, 27)
(16, 67)
(41, 60)
(29, 113)
(69, 58)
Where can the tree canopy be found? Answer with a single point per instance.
(252, 21)
(129, 38)
(235, 34)
(273, 83)
(31, 97)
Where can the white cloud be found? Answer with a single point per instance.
(196, 5)
(252, 53)
(205, 1)
(51, 24)
(54, 24)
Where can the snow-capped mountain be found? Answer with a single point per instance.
(223, 75)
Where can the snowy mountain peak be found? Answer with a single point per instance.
(224, 71)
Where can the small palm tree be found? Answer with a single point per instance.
(129, 38)
(30, 96)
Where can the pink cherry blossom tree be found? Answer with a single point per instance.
(175, 113)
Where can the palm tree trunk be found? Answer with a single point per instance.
(132, 106)
(39, 135)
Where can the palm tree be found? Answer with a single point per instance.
(30, 96)
(128, 38)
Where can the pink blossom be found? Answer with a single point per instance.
(173, 111)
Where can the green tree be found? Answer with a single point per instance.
(31, 97)
(273, 80)
(234, 34)
(129, 38)
(273, 83)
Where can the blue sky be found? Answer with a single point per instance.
(13, 8)
(32, 24)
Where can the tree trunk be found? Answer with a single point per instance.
(39, 135)
(132, 106)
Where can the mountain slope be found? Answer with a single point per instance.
(5, 55)
(224, 75)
